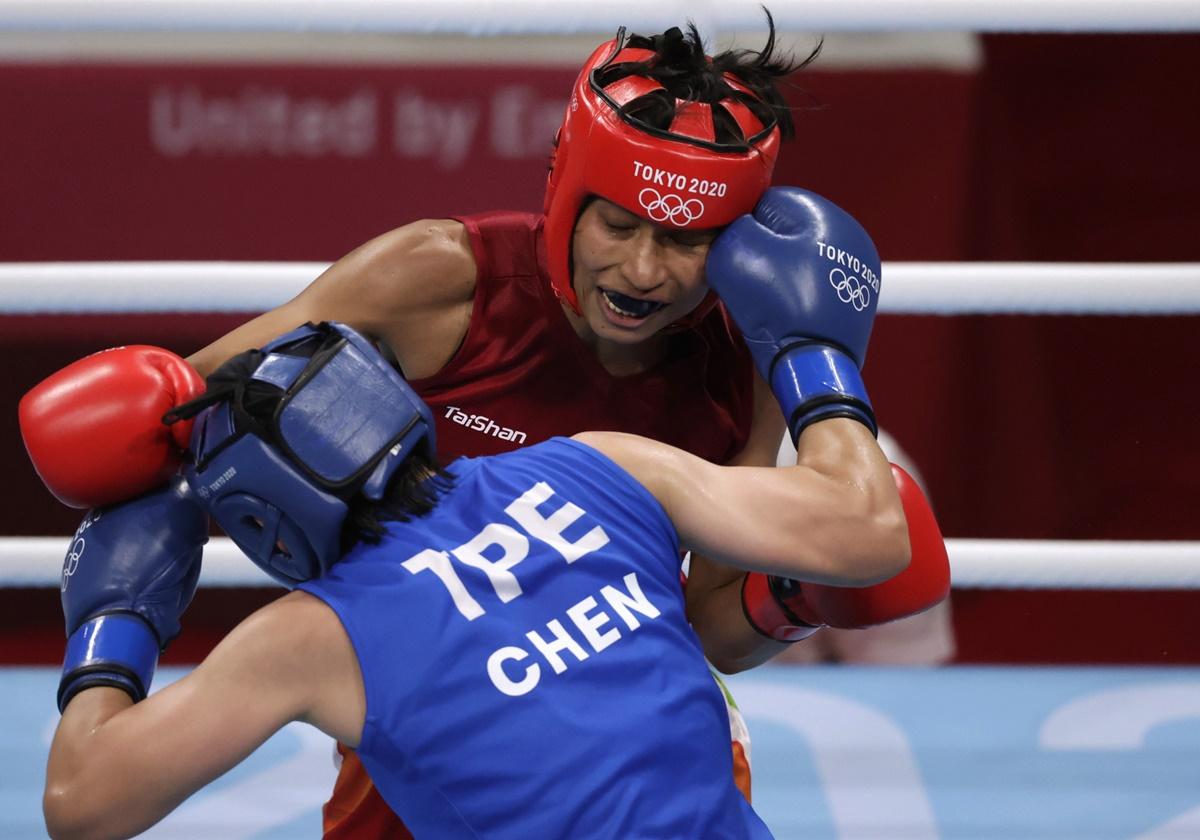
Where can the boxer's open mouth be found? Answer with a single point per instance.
(629, 307)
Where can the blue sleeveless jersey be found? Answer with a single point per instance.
(528, 667)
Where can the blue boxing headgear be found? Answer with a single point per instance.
(344, 423)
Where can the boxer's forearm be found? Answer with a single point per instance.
(730, 643)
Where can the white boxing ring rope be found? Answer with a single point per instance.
(914, 288)
(536, 17)
(974, 564)
(35, 289)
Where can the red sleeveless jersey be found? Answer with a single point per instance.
(521, 376)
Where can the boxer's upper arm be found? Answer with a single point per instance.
(121, 768)
(794, 522)
(786, 521)
(411, 288)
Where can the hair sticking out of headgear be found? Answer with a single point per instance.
(305, 446)
(684, 70)
(664, 131)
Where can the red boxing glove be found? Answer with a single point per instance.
(789, 610)
(94, 430)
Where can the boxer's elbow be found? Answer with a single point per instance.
(67, 809)
(63, 819)
(893, 552)
(876, 541)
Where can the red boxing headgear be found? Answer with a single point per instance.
(681, 176)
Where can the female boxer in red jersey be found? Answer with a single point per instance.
(516, 327)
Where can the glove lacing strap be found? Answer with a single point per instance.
(228, 382)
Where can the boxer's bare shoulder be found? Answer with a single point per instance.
(411, 288)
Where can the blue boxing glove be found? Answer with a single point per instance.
(130, 572)
(801, 279)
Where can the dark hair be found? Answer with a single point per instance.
(412, 492)
(681, 67)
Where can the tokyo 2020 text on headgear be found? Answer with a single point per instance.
(677, 177)
(342, 422)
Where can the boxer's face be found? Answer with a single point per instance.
(633, 277)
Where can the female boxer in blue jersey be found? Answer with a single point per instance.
(501, 640)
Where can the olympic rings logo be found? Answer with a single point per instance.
(670, 207)
(72, 562)
(850, 289)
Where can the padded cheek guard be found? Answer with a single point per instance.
(232, 486)
(345, 423)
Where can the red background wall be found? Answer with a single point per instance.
(1073, 148)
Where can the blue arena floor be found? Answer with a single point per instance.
(838, 752)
